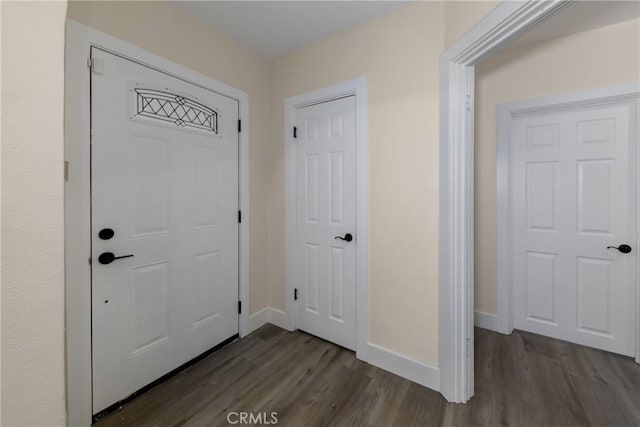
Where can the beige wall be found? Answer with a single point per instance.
(599, 58)
(33, 391)
(177, 36)
(460, 16)
(398, 54)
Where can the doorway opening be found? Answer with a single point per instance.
(506, 23)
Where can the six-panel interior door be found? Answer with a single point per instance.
(164, 171)
(325, 274)
(573, 196)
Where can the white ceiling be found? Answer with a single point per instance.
(275, 28)
(581, 16)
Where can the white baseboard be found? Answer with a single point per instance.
(411, 369)
(277, 317)
(267, 315)
(256, 320)
(486, 321)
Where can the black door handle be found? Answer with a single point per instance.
(109, 257)
(347, 237)
(625, 249)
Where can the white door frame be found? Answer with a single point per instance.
(79, 40)
(506, 113)
(505, 23)
(357, 87)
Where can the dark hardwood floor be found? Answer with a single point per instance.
(521, 380)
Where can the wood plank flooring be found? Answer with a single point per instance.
(521, 380)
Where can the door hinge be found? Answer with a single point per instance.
(295, 294)
(295, 132)
(239, 125)
(66, 171)
(239, 307)
(239, 217)
(96, 65)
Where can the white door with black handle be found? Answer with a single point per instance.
(574, 225)
(325, 268)
(164, 188)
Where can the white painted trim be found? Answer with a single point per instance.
(357, 87)
(406, 367)
(259, 319)
(79, 40)
(277, 317)
(637, 138)
(572, 100)
(506, 113)
(503, 24)
(486, 321)
(396, 363)
(503, 178)
(76, 218)
(268, 315)
(455, 329)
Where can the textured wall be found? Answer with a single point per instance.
(33, 391)
(460, 16)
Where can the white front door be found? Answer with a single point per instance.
(573, 202)
(325, 268)
(164, 190)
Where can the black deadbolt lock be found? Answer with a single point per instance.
(625, 249)
(106, 233)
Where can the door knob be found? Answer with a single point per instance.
(109, 257)
(347, 237)
(625, 249)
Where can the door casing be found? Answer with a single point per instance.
(358, 88)
(502, 25)
(79, 40)
(628, 93)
